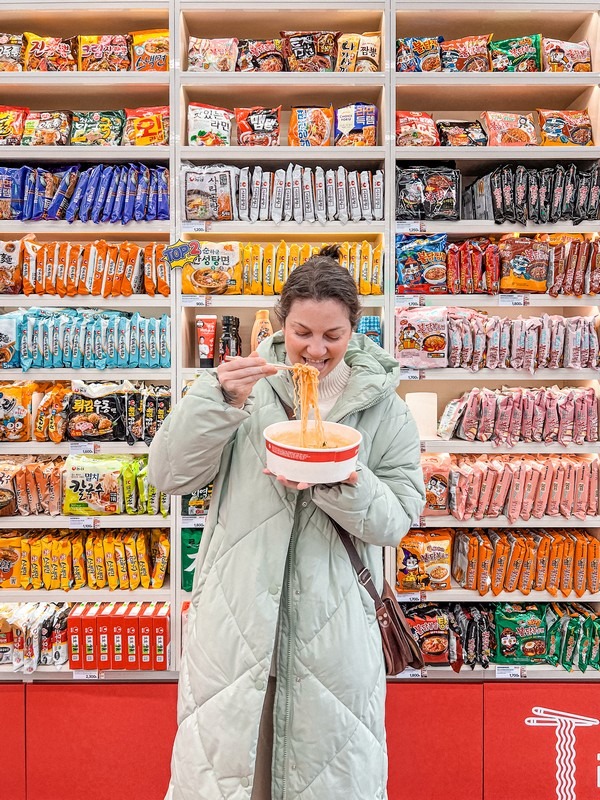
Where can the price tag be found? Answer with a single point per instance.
(513, 300)
(85, 674)
(196, 300)
(422, 522)
(411, 374)
(84, 448)
(414, 226)
(193, 522)
(200, 226)
(84, 523)
(410, 301)
(412, 673)
(415, 597)
(510, 671)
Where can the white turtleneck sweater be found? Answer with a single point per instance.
(331, 387)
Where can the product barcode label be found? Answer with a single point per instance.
(193, 522)
(85, 674)
(196, 300)
(84, 523)
(200, 226)
(414, 226)
(84, 448)
(410, 301)
(412, 673)
(411, 374)
(513, 300)
(510, 671)
(414, 597)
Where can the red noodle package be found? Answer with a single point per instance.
(436, 471)
(258, 126)
(416, 129)
(506, 130)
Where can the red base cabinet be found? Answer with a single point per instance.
(12, 741)
(435, 741)
(542, 741)
(98, 742)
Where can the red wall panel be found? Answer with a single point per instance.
(521, 758)
(427, 726)
(12, 740)
(98, 742)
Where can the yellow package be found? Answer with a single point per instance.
(150, 51)
(281, 266)
(90, 562)
(16, 400)
(110, 561)
(217, 269)
(10, 562)
(348, 45)
(143, 557)
(78, 561)
(25, 563)
(344, 255)
(129, 474)
(93, 486)
(160, 558)
(305, 253)
(315, 249)
(366, 268)
(121, 562)
(133, 568)
(55, 564)
(47, 560)
(65, 563)
(35, 544)
(256, 273)
(99, 564)
(377, 270)
(246, 268)
(269, 256)
(354, 262)
(293, 258)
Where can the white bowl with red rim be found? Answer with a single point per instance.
(312, 464)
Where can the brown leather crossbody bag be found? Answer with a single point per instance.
(400, 648)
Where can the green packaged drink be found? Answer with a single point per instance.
(190, 542)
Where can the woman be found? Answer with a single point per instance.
(281, 636)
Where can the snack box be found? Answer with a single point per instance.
(104, 643)
(90, 636)
(161, 637)
(132, 636)
(116, 642)
(75, 636)
(145, 640)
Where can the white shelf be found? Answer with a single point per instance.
(271, 5)
(287, 80)
(49, 674)
(484, 376)
(536, 672)
(87, 374)
(448, 521)
(85, 595)
(63, 448)
(84, 301)
(84, 5)
(493, 79)
(24, 154)
(417, 154)
(83, 80)
(261, 301)
(468, 227)
(329, 229)
(521, 448)
(108, 521)
(458, 595)
(132, 230)
(282, 153)
(493, 300)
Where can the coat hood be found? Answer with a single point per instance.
(375, 374)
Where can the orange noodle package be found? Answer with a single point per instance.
(103, 53)
(311, 127)
(506, 130)
(150, 51)
(49, 54)
(12, 124)
(559, 56)
(148, 125)
(469, 54)
(566, 128)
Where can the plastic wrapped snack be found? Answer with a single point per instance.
(150, 51)
(49, 54)
(469, 54)
(212, 55)
(103, 128)
(209, 126)
(258, 126)
(521, 54)
(146, 126)
(559, 56)
(416, 129)
(12, 124)
(524, 265)
(421, 264)
(12, 51)
(505, 129)
(418, 54)
(422, 338)
(93, 485)
(311, 127)
(260, 55)
(368, 58)
(461, 134)
(109, 53)
(43, 128)
(564, 128)
(310, 51)
(356, 125)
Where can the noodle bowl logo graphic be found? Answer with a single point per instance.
(565, 725)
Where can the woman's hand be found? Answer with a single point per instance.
(351, 480)
(238, 376)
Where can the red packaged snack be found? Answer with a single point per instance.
(469, 54)
(258, 126)
(559, 56)
(509, 130)
(501, 489)
(453, 268)
(565, 128)
(49, 54)
(260, 55)
(416, 129)
(12, 124)
(487, 489)
(533, 477)
(310, 51)
(148, 125)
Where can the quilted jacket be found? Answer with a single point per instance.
(270, 555)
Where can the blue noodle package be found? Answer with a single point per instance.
(111, 342)
(11, 327)
(99, 348)
(117, 209)
(29, 194)
(111, 195)
(64, 191)
(134, 351)
(101, 194)
(141, 197)
(162, 208)
(421, 264)
(88, 344)
(164, 341)
(76, 346)
(151, 210)
(130, 193)
(144, 360)
(91, 190)
(152, 342)
(123, 325)
(6, 194)
(73, 208)
(39, 190)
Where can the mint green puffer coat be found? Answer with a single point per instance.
(271, 555)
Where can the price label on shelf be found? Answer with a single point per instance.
(85, 675)
(84, 523)
(410, 301)
(411, 374)
(414, 597)
(510, 672)
(414, 226)
(513, 300)
(412, 673)
(84, 448)
(196, 300)
(193, 522)
(422, 522)
(195, 227)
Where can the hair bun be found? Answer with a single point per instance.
(331, 251)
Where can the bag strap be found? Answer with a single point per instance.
(364, 575)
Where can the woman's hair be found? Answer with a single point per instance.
(321, 277)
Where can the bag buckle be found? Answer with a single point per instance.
(364, 576)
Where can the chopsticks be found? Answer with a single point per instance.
(277, 366)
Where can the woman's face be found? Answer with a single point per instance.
(317, 332)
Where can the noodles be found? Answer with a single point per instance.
(306, 395)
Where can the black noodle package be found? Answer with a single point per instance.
(430, 193)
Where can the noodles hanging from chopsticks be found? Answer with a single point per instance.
(306, 395)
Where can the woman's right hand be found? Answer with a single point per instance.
(238, 376)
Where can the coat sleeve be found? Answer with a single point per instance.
(388, 498)
(186, 452)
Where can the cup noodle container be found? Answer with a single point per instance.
(312, 465)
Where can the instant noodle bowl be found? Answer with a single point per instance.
(564, 128)
(331, 464)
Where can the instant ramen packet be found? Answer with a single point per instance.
(12, 50)
(421, 264)
(524, 265)
(260, 55)
(209, 126)
(148, 125)
(559, 56)
(422, 338)
(520, 634)
(356, 125)
(416, 129)
(44, 128)
(212, 55)
(461, 134)
(310, 51)
(258, 126)
(49, 54)
(102, 128)
(469, 54)
(419, 54)
(12, 124)
(368, 56)
(505, 129)
(310, 127)
(521, 54)
(564, 128)
(109, 53)
(150, 51)
(93, 485)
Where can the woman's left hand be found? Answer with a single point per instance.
(351, 480)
